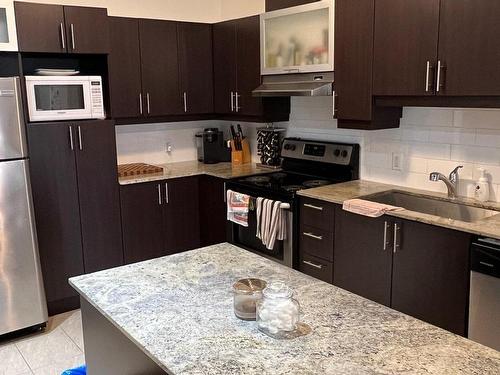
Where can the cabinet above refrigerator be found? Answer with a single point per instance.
(8, 35)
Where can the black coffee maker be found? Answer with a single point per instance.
(211, 146)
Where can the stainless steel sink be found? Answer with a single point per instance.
(433, 206)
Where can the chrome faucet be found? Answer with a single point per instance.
(450, 182)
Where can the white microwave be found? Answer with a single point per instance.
(54, 98)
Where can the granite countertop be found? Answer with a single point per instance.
(178, 310)
(193, 168)
(338, 193)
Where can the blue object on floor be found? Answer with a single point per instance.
(76, 371)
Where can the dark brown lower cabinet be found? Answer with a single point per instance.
(361, 265)
(76, 201)
(212, 210)
(159, 218)
(142, 221)
(418, 269)
(430, 277)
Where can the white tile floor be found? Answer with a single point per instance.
(58, 348)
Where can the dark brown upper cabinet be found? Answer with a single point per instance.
(195, 66)
(225, 64)
(280, 4)
(124, 63)
(60, 29)
(237, 73)
(160, 68)
(469, 50)
(444, 48)
(405, 53)
(353, 101)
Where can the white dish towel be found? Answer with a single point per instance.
(271, 222)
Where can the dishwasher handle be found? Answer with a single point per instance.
(485, 258)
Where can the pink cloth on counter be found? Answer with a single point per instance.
(237, 207)
(367, 208)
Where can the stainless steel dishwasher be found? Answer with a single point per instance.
(484, 302)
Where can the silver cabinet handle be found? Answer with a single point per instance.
(318, 208)
(71, 144)
(148, 102)
(427, 76)
(334, 99)
(80, 138)
(438, 78)
(232, 101)
(167, 198)
(318, 266)
(237, 106)
(73, 45)
(140, 103)
(396, 244)
(386, 227)
(159, 195)
(185, 102)
(307, 234)
(63, 37)
(225, 194)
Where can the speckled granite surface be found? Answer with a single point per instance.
(178, 310)
(193, 168)
(339, 193)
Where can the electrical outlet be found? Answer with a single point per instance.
(168, 148)
(397, 161)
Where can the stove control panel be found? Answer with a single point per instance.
(333, 153)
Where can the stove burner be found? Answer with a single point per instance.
(279, 176)
(315, 183)
(258, 179)
(292, 188)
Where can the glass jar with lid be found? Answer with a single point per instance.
(278, 313)
(246, 293)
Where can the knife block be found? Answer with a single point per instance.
(241, 157)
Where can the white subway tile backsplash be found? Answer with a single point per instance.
(488, 138)
(429, 150)
(415, 134)
(416, 165)
(452, 136)
(486, 155)
(477, 118)
(446, 166)
(427, 116)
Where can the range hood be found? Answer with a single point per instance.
(306, 84)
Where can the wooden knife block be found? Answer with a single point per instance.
(241, 157)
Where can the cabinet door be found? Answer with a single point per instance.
(405, 50)
(181, 210)
(212, 210)
(431, 275)
(124, 63)
(86, 29)
(160, 68)
(469, 47)
(280, 4)
(99, 195)
(248, 66)
(224, 39)
(195, 65)
(142, 221)
(354, 59)
(40, 27)
(55, 196)
(362, 261)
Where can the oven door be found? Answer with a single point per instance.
(58, 99)
(246, 238)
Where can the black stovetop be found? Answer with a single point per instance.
(284, 184)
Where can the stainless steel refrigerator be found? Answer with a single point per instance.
(22, 297)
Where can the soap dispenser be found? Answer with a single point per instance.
(482, 190)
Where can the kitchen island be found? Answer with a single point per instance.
(174, 315)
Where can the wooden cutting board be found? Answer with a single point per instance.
(137, 169)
